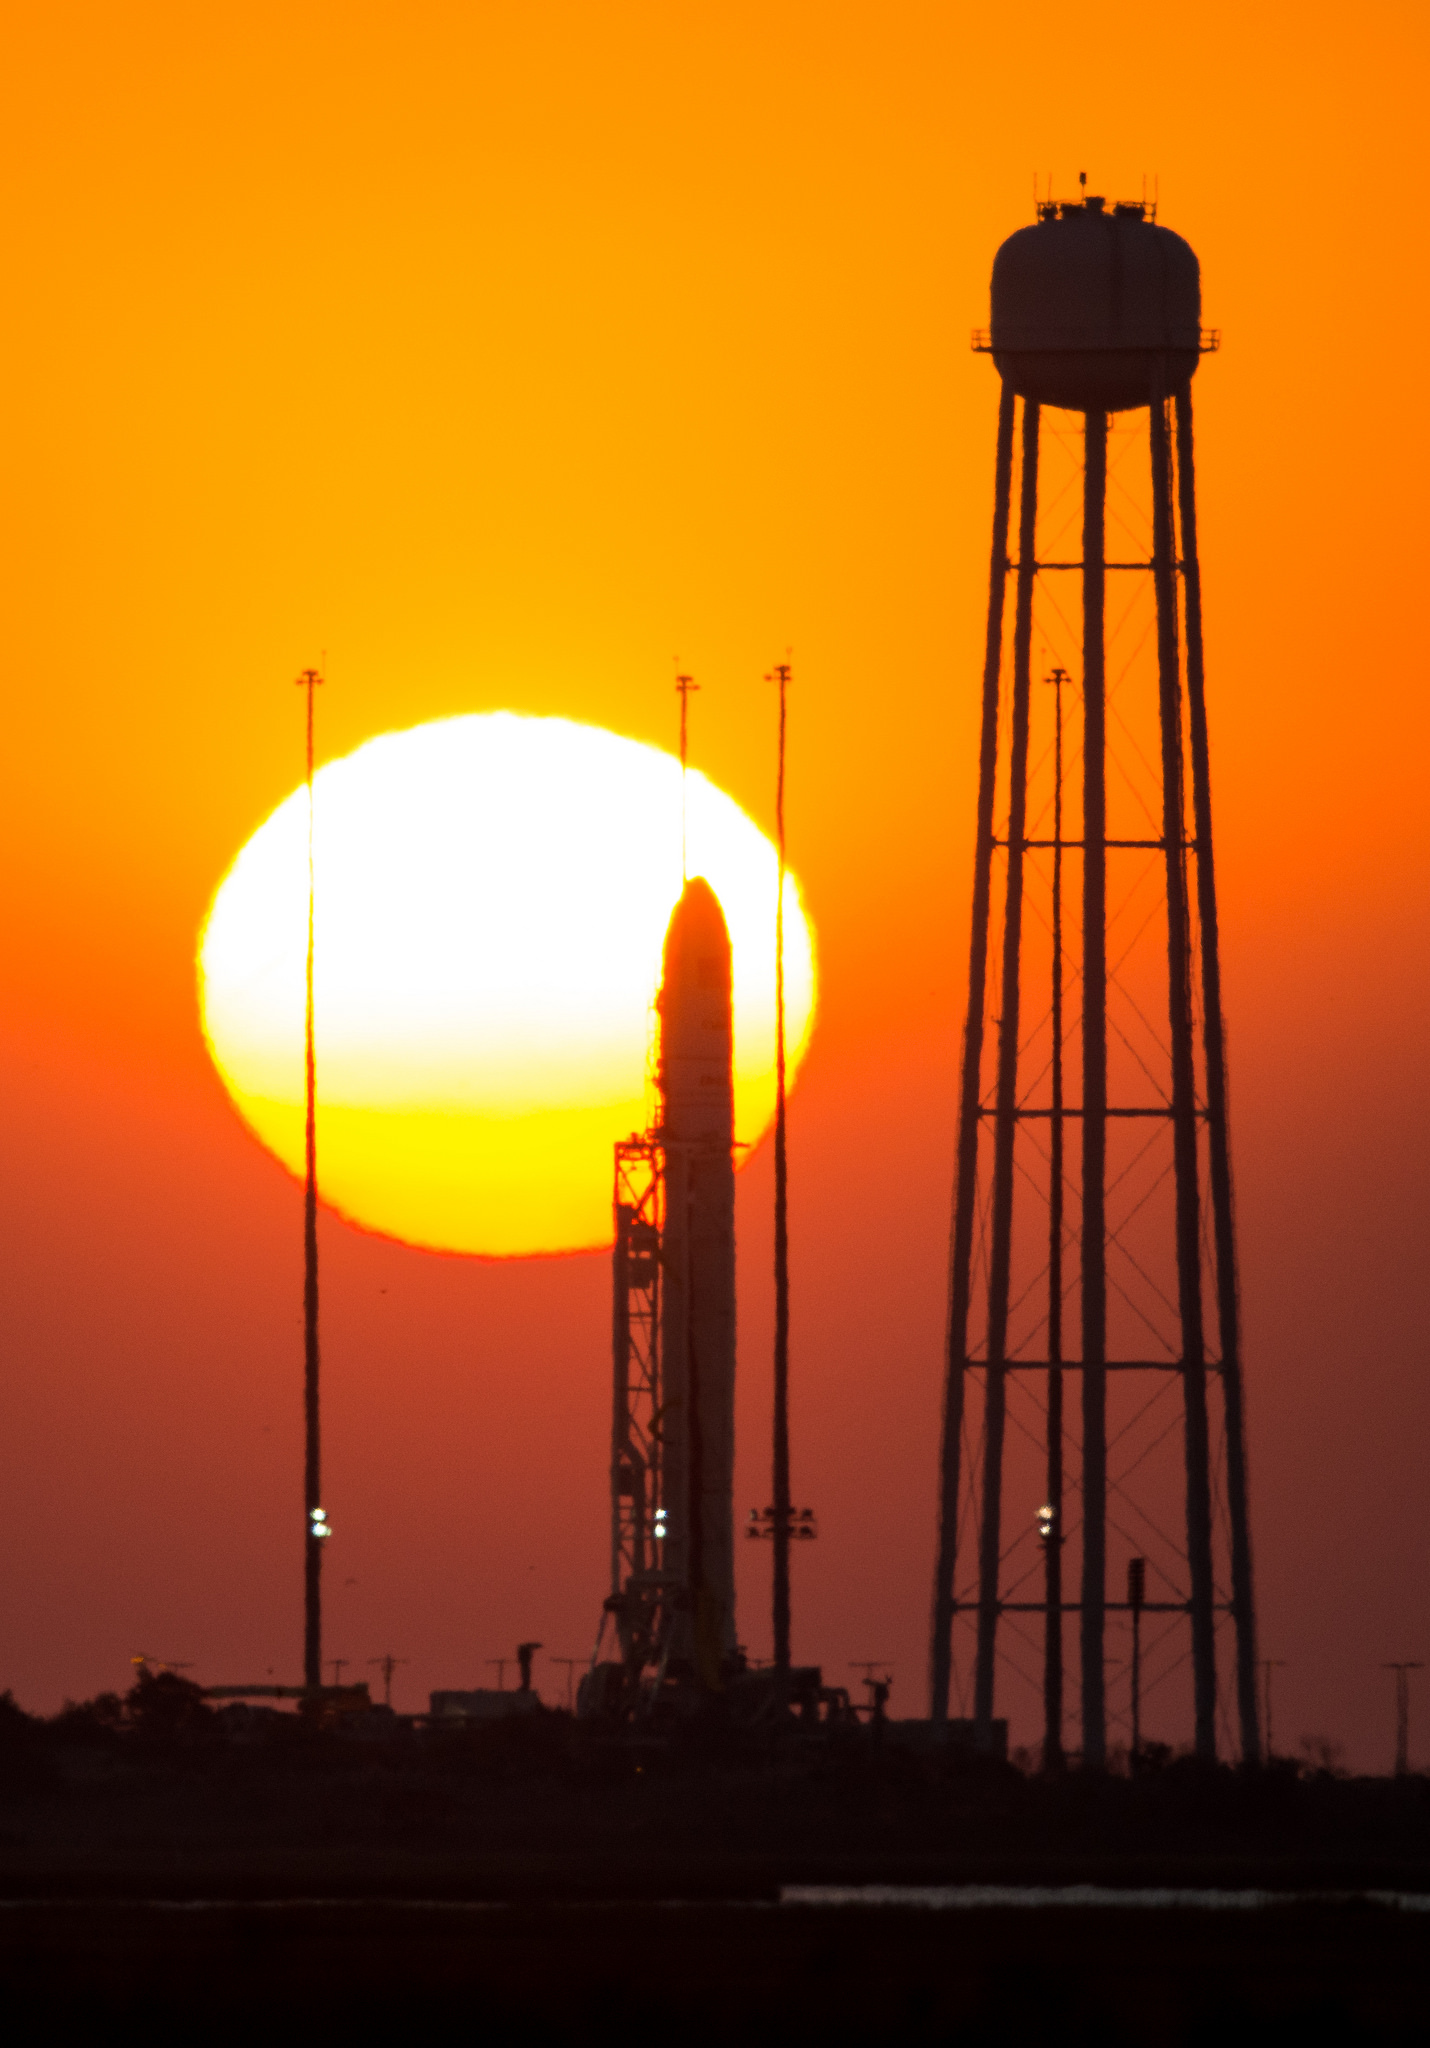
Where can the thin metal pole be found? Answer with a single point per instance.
(1184, 1105)
(1005, 1122)
(1243, 1604)
(683, 687)
(312, 1459)
(966, 1188)
(1053, 1556)
(1136, 1590)
(1094, 1093)
(781, 1429)
(1268, 1665)
(1402, 1714)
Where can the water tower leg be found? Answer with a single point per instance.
(1184, 1107)
(1243, 1605)
(965, 1192)
(1094, 1095)
(1005, 1123)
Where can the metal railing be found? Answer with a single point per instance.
(1208, 341)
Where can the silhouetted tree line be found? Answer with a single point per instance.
(159, 1706)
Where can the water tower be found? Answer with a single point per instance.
(1093, 1412)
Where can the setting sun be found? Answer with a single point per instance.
(492, 894)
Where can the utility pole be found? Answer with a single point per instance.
(879, 1690)
(781, 1603)
(387, 1665)
(1402, 1714)
(316, 1528)
(869, 1665)
(340, 1665)
(1268, 1665)
(501, 1664)
(571, 1664)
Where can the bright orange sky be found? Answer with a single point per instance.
(503, 354)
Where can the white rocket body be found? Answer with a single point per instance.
(698, 1276)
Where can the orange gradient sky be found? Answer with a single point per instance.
(504, 353)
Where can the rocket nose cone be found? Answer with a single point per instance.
(696, 1023)
(697, 933)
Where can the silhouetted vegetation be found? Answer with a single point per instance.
(758, 1805)
(579, 1834)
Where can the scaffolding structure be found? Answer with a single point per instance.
(641, 1604)
(635, 1350)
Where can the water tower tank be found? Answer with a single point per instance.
(1095, 307)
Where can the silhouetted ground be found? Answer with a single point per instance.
(532, 1880)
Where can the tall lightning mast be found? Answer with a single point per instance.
(1051, 1518)
(315, 1522)
(683, 687)
(781, 675)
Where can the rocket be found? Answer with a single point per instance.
(696, 1080)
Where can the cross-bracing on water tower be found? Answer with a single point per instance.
(1093, 1401)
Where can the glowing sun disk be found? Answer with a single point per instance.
(492, 894)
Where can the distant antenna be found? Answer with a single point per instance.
(387, 1665)
(1402, 1714)
(315, 1523)
(683, 687)
(1268, 1665)
(781, 675)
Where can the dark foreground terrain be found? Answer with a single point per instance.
(166, 1870)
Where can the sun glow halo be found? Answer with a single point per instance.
(492, 895)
